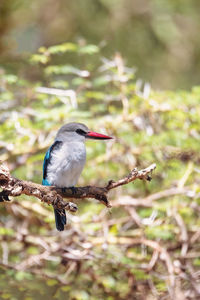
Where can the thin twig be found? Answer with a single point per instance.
(52, 195)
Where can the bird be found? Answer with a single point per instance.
(65, 160)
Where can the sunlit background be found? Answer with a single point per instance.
(160, 38)
(130, 69)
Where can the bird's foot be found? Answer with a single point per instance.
(72, 188)
(63, 189)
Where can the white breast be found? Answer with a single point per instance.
(66, 164)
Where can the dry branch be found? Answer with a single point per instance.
(52, 195)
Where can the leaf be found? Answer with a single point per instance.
(51, 282)
(89, 49)
(6, 231)
(62, 48)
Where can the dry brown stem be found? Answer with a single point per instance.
(52, 195)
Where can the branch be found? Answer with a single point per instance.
(52, 195)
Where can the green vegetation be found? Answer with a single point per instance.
(159, 38)
(100, 255)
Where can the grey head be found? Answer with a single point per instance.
(78, 132)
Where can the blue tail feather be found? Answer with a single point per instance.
(60, 215)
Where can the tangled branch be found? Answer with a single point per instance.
(52, 195)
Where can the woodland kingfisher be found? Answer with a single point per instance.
(65, 159)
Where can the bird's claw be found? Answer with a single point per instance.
(63, 189)
(72, 188)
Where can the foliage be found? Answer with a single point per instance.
(100, 255)
(160, 38)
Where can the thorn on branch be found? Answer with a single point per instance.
(54, 195)
(110, 182)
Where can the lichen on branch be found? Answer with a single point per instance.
(14, 187)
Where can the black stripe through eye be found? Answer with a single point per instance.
(81, 132)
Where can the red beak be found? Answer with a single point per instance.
(97, 136)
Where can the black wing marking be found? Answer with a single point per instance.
(47, 158)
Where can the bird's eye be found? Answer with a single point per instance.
(81, 132)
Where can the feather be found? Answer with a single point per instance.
(60, 215)
(47, 158)
(60, 219)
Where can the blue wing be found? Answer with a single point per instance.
(47, 159)
(60, 215)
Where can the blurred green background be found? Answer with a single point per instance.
(158, 37)
(129, 69)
